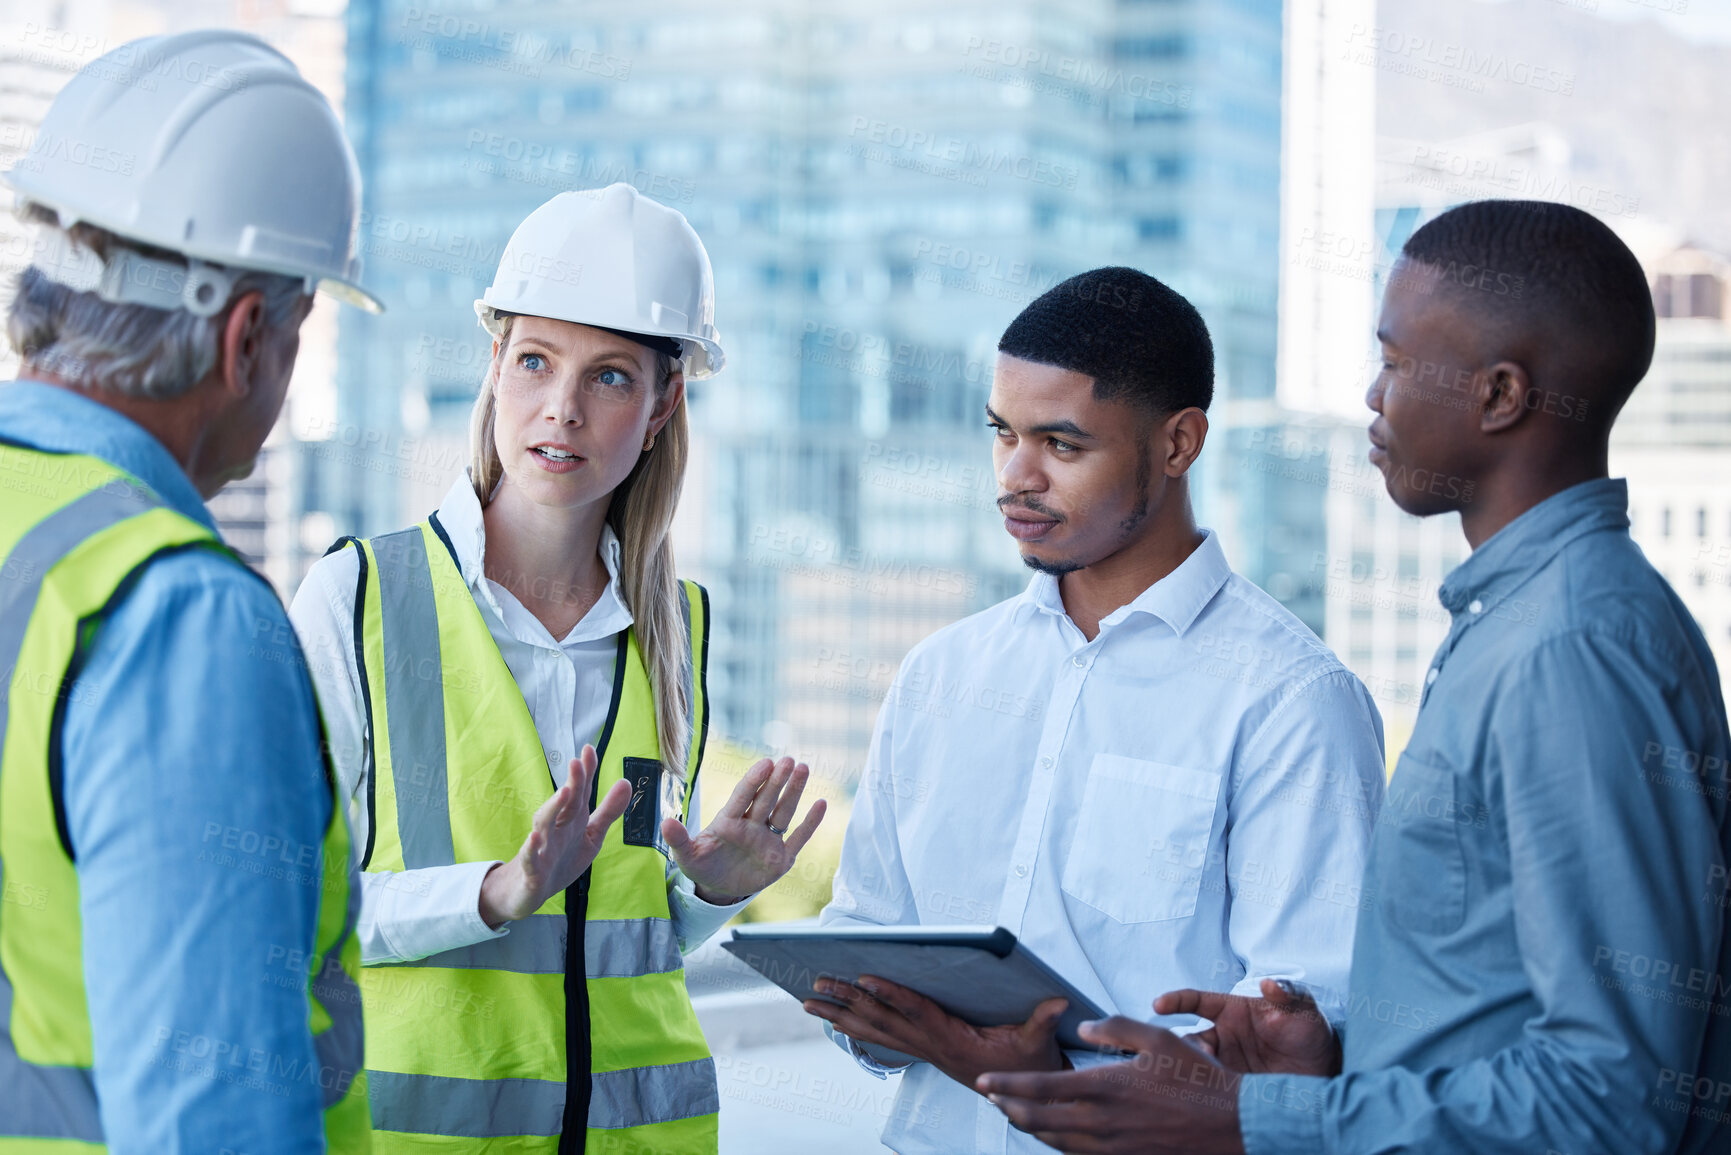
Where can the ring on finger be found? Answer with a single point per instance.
(773, 828)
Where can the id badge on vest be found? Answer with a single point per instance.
(654, 795)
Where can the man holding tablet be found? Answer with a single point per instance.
(1143, 766)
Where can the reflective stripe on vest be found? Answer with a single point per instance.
(612, 948)
(74, 531)
(458, 1042)
(411, 621)
(42, 1102)
(492, 1108)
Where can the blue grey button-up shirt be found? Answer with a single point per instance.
(1545, 964)
(196, 802)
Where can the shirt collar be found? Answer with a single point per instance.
(460, 514)
(62, 421)
(1176, 599)
(1524, 545)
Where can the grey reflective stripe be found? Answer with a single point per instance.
(341, 1048)
(616, 948)
(42, 1102)
(416, 711)
(37, 552)
(687, 674)
(613, 948)
(470, 1108)
(534, 946)
(638, 1096)
(37, 1101)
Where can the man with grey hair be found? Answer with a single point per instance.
(177, 954)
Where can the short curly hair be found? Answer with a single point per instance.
(1138, 339)
(1550, 269)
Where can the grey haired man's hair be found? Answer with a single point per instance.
(131, 350)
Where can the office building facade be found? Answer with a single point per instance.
(880, 189)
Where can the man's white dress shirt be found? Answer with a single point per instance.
(1184, 801)
(567, 685)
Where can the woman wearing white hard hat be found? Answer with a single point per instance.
(512, 989)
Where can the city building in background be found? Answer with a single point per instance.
(33, 73)
(1327, 191)
(881, 189)
(1673, 441)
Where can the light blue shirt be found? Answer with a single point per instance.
(1184, 800)
(1545, 965)
(196, 802)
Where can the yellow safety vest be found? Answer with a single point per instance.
(74, 530)
(562, 1035)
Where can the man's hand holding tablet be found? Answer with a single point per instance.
(883, 1014)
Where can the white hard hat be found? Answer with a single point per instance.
(208, 144)
(614, 259)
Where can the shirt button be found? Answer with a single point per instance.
(1079, 661)
(1046, 762)
(1477, 607)
(1021, 872)
(1430, 677)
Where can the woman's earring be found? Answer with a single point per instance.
(649, 443)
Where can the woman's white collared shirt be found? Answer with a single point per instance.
(567, 684)
(1184, 801)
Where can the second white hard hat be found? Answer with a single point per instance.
(208, 144)
(614, 259)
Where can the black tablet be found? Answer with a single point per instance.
(982, 976)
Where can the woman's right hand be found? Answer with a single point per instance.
(563, 840)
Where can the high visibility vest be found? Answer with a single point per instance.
(74, 531)
(573, 1032)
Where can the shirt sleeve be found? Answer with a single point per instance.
(197, 804)
(1597, 847)
(695, 921)
(405, 915)
(871, 886)
(1304, 803)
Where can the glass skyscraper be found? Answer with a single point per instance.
(881, 189)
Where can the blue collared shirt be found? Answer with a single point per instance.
(196, 803)
(1545, 966)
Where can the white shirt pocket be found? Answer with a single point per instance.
(1142, 838)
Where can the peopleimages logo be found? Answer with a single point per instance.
(1458, 65)
(522, 51)
(967, 160)
(1001, 60)
(138, 64)
(55, 147)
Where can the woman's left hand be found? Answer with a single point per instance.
(744, 850)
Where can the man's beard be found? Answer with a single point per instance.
(1127, 527)
(1055, 568)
